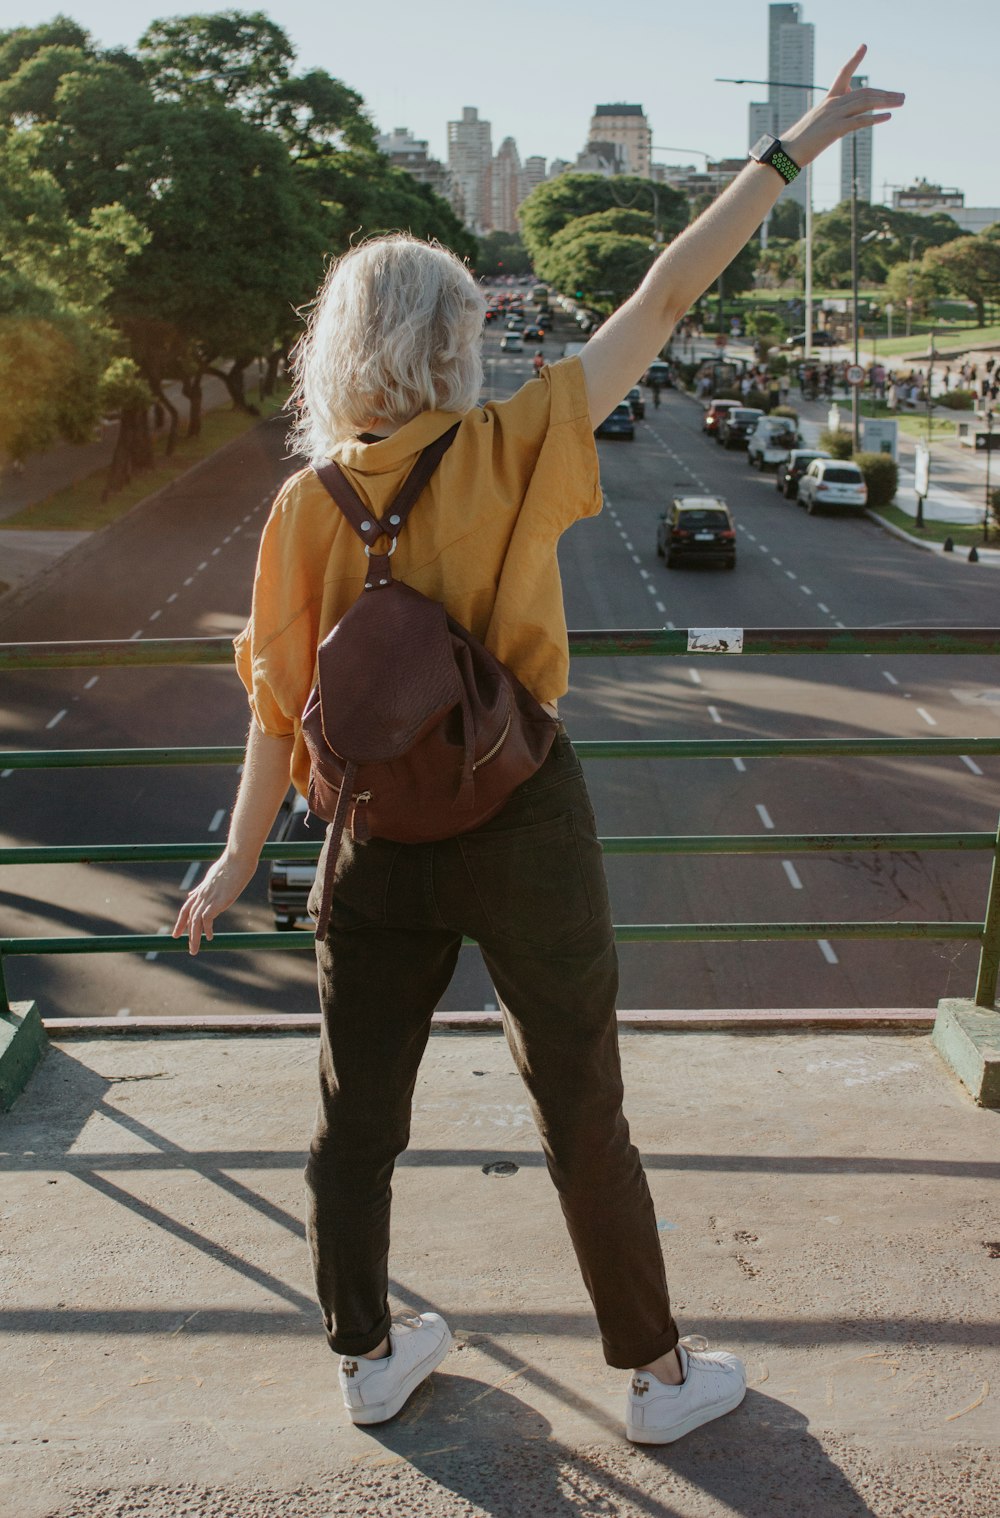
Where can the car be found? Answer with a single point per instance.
(696, 529)
(534, 333)
(658, 373)
(835, 483)
(544, 319)
(821, 339)
(714, 414)
(515, 323)
(771, 440)
(289, 881)
(636, 403)
(512, 342)
(618, 424)
(737, 425)
(792, 468)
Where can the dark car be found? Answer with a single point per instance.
(618, 424)
(821, 339)
(545, 319)
(791, 470)
(636, 403)
(534, 334)
(737, 425)
(713, 416)
(658, 373)
(696, 528)
(289, 881)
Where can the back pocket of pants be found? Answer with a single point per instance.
(530, 881)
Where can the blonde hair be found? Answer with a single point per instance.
(395, 330)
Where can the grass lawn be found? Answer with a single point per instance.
(914, 423)
(79, 508)
(936, 532)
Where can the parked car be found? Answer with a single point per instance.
(289, 881)
(658, 373)
(737, 425)
(618, 424)
(792, 468)
(636, 403)
(696, 528)
(771, 441)
(821, 339)
(837, 483)
(512, 342)
(713, 416)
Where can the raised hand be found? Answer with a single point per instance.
(840, 112)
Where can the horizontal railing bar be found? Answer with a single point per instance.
(584, 644)
(686, 843)
(645, 932)
(639, 748)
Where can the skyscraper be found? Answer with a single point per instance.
(790, 62)
(470, 154)
(863, 149)
(507, 187)
(627, 128)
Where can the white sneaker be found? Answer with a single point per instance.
(375, 1390)
(713, 1384)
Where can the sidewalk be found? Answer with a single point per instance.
(822, 1201)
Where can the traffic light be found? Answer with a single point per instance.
(579, 295)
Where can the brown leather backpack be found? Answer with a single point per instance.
(415, 731)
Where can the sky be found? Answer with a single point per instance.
(536, 69)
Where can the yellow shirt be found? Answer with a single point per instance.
(481, 540)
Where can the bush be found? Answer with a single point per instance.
(995, 503)
(839, 445)
(788, 411)
(881, 477)
(688, 373)
(957, 400)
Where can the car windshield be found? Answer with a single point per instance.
(302, 827)
(805, 459)
(622, 409)
(744, 416)
(842, 476)
(704, 517)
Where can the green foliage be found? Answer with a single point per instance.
(788, 411)
(50, 361)
(502, 253)
(956, 400)
(881, 476)
(969, 266)
(551, 205)
(234, 58)
(916, 280)
(839, 445)
(605, 266)
(122, 387)
(896, 232)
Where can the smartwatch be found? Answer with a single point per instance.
(769, 150)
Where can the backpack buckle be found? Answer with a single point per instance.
(387, 555)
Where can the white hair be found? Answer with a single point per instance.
(396, 329)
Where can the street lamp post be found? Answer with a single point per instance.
(989, 450)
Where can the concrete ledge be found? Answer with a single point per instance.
(967, 1038)
(22, 1044)
(697, 1020)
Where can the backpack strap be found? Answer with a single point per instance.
(365, 523)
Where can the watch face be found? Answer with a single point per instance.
(763, 145)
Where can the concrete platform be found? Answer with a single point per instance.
(827, 1204)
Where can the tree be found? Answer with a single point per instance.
(900, 230)
(233, 58)
(125, 395)
(551, 205)
(916, 282)
(603, 267)
(502, 253)
(970, 267)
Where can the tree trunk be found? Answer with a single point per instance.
(233, 379)
(133, 449)
(164, 404)
(192, 391)
(270, 383)
(980, 305)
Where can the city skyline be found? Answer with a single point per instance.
(541, 84)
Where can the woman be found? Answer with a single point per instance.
(391, 361)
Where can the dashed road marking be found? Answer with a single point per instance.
(215, 551)
(923, 712)
(161, 933)
(217, 820)
(695, 677)
(201, 566)
(890, 677)
(970, 763)
(765, 816)
(671, 627)
(91, 682)
(189, 580)
(636, 559)
(135, 636)
(191, 875)
(792, 873)
(805, 590)
(54, 721)
(713, 712)
(791, 574)
(155, 614)
(740, 766)
(651, 589)
(6, 774)
(644, 573)
(838, 624)
(660, 606)
(775, 561)
(172, 598)
(827, 951)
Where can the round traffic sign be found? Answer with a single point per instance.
(855, 375)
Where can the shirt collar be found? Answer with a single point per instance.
(391, 452)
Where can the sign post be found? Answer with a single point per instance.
(921, 479)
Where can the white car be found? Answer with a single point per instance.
(836, 483)
(771, 441)
(512, 342)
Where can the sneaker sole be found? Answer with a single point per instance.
(381, 1412)
(686, 1426)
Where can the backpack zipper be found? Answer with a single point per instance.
(492, 753)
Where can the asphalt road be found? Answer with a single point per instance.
(183, 566)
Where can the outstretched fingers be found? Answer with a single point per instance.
(842, 84)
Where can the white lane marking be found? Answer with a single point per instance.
(805, 590)
(228, 538)
(671, 627)
(161, 933)
(660, 606)
(6, 774)
(696, 678)
(201, 566)
(823, 608)
(622, 533)
(764, 815)
(827, 952)
(136, 635)
(636, 559)
(247, 517)
(792, 873)
(191, 875)
(740, 766)
(713, 712)
(644, 573)
(189, 580)
(791, 574)
(154, 614)
(215, 551)
(931, 721)
(217, 820)
(971, 763)
(775, 561)
(751, 535)
(54, 722)
(890, 677)
(762, 548)
(172, 598)
(123, 1012)
(92, 682)
(838, 624)
(651, 589)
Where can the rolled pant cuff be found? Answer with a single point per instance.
(629, 1358)
(359, 1344)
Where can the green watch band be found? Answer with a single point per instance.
(769, 150)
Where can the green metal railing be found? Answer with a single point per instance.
(692, 643)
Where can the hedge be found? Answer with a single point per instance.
(839, 445)
(881, 476)
(957, 400)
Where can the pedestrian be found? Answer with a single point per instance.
(390, 364)
(656, 387)
(538, 363)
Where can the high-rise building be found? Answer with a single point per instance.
(404, 151)
(790, 63)
(507, 187)
(856, 156)
(534, 172)
(626, 127)
(470, 155)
